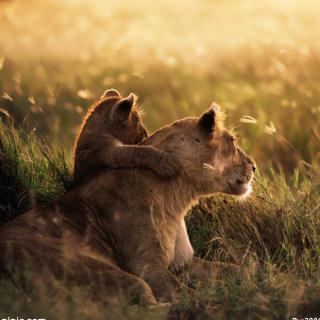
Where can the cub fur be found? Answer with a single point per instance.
(109, 136)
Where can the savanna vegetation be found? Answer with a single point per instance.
(259, 60)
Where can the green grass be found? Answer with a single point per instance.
(258, 59)
(30, 172)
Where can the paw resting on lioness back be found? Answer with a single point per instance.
(168, 165)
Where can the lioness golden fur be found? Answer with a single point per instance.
(125, 228)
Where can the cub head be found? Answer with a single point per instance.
(121, 117)
(210, 158)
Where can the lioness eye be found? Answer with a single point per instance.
(196, 140)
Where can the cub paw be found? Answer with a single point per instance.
(168, 167)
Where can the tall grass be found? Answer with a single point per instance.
(30, 172)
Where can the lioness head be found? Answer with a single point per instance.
(210, 157)
(121, 117)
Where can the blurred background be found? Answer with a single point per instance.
(260, 60)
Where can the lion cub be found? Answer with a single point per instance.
(108, 137)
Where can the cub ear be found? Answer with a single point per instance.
(122, 109)
(207, 120)
(111, 93)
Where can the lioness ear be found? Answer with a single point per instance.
(207, 120)
(111, 93)
(122, 109)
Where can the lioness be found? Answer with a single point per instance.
(108, 136)
(125, 228)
